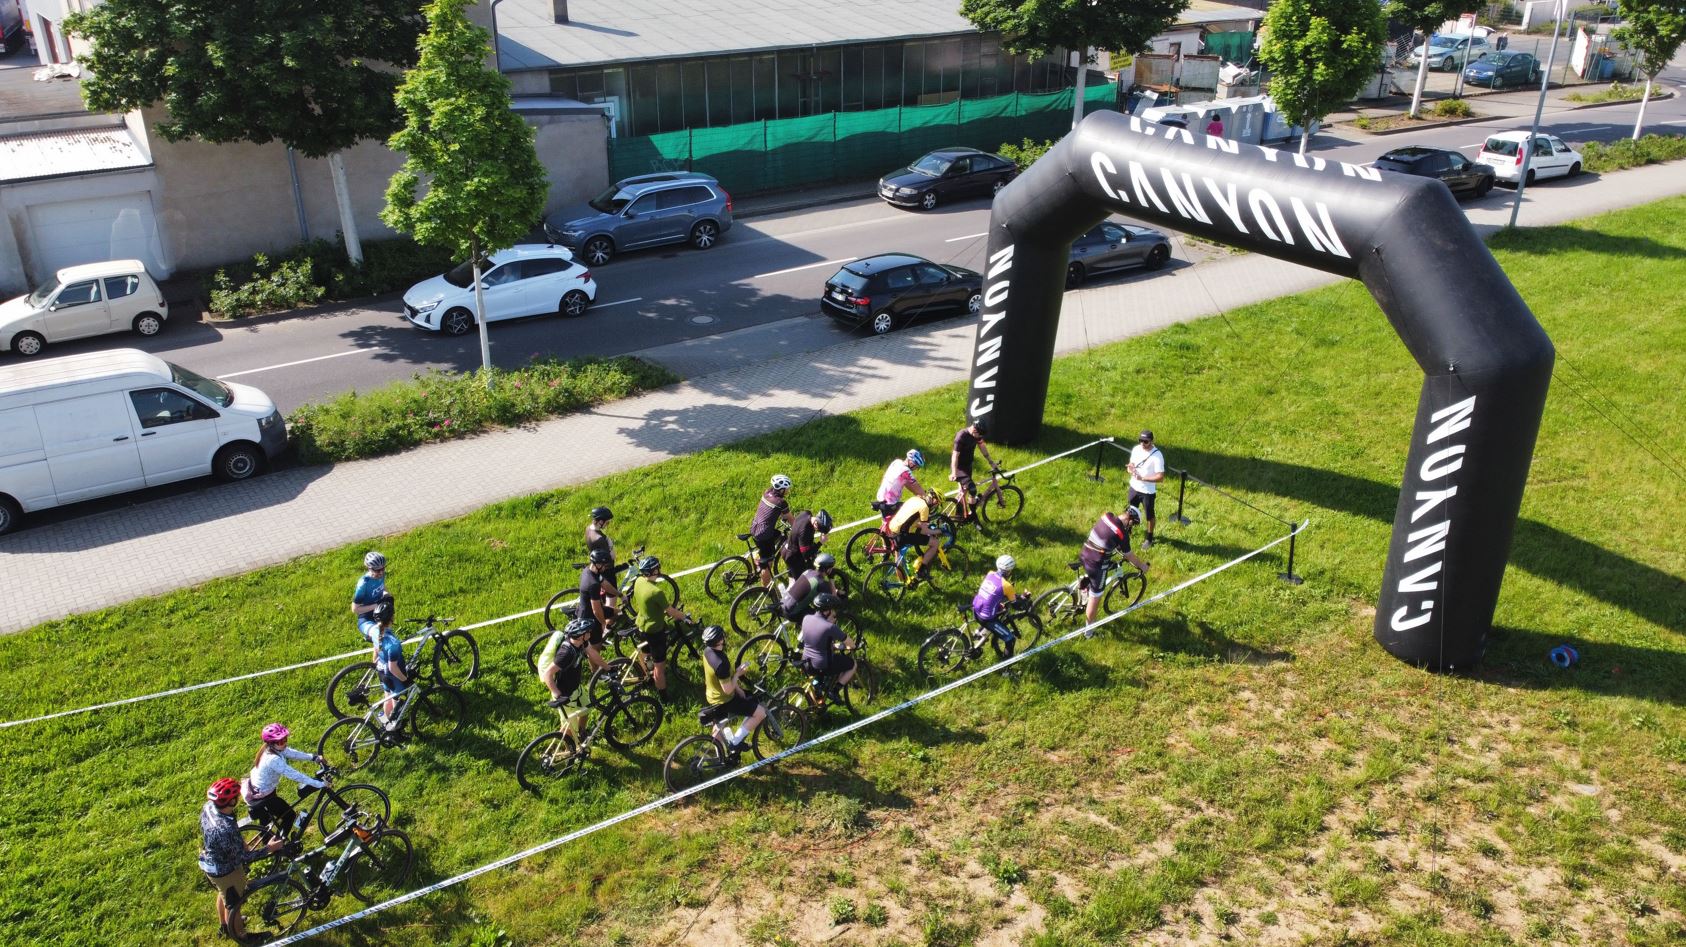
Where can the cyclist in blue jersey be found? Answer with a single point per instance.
(389, 662)
(371, 586)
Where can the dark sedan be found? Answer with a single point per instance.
(892, 289)
(1110, 246)
(1499, 69)
(1451, 168)
(945, 175)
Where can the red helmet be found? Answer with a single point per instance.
(275, 733)
(224, 792)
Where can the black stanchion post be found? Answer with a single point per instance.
(1182, 488)
(1096, 476)
(1289, 576)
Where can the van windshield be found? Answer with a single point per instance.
(38, 297)
(209, 387)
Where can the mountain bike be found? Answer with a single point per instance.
(703, 756)
(947, 652)
(555, 609)
(455, 657)
(732, 573)
(773, 654)
(996, 502)
(872, 544)
(545, 764)
(433, 712)
(1064, 608)
(683, 638)
(756, 609)
(330, 807)
(890, 581)
(374, 865)
(813, 696)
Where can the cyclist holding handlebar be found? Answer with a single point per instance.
(966, 440)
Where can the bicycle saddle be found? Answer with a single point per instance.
(744, 536)
(1075, 566)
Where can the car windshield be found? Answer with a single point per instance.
(39, 296)
(460, 276)
(611, 201)
(850, 280)
(1445, 42)
(209, 387)
(934, 165)
(1500, 146)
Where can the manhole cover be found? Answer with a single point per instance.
(701, 320)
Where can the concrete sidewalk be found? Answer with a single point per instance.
(106, 558)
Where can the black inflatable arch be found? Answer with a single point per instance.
(1486, 360)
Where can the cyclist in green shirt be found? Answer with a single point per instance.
(650, 613)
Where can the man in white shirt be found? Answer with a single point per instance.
(1147, 469)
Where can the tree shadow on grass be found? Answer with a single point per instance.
(1566, 239)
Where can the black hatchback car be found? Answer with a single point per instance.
(1458, 173)
(945, 175)
(892, 289)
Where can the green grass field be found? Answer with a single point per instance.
(1239, 763)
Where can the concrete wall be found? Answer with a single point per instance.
(574, 150)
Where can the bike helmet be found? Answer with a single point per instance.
(781, 482)
(374, 562)
(713, 634)
(384, 610)
(276, 732)
(915, 459)
(981, 425)
(601, 557)
(825, 562)
(601, 513)
(580, 627)
(825, 602)
(224, 792)
(1005, 564)
(822, 521)
(650, 565)
(1131, 513)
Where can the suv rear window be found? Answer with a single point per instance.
(850, 280)
(1500, 146)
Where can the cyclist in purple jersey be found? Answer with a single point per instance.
(764, 526)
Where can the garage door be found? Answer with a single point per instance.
(88, 231)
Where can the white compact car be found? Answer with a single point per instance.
(525, 280)
(91, 299)
(1552, 157)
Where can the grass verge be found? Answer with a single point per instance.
(1240, 763)
(1630, 153)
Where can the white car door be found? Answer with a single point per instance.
(178, 434)
(546, 281)
(90, 445)
(79, 310)
(503, 291)
(1545, 163)
(1564, 155)
(124, 300)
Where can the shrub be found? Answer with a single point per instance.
(875, 915)
(1452, 108)
(1025, 154)
(830, 813)
(308, 273)
(1362, 122)
(439, 406)
(287, 284)
(1628, 153)
(1617, 92)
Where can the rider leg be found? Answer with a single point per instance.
(1009, 641)
(930, 547)
(749, 725)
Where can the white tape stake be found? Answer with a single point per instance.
(752, 767)
(484, 624)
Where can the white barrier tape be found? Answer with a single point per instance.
(752, 767)
(484, 624)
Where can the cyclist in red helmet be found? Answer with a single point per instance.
(223, 856)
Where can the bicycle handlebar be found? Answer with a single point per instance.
(429, 620)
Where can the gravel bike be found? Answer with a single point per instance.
(374, 864)
(558, 612)
(431, 712)
(997, 502)
(626, 723)
(1064, 608)
(454, 654)
(946, 653)
(329, 807)
(683, 638)
(891, 580)
(703, 756)
(732, 573)
(875, 543)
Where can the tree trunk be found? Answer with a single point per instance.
(1422, 80)
(1305, 135)
(480, 312)
(348, 222)
(1639, 122)
(1077, 93)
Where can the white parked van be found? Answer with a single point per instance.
(85, 426)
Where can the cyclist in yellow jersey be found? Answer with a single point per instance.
(912, 527)
(724, 693)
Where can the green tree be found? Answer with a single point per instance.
(1037, 27)
(1319, 53)
(1654, 29)
(316, 75)
(484, 187)
(1423, 16)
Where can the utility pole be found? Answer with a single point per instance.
(1539, 108)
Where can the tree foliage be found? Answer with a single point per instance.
(484, 186)
(1655, 29)
(317, 75)
(1319, 53)
(1425, 15)
(1036, 27)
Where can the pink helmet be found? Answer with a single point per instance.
(275, 733)
(223, 792)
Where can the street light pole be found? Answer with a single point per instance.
(1539, 108)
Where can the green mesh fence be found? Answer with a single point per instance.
(1233, 47)
(843, 146)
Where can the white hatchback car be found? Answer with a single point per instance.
(90, 299)
(530, 279)
(1552, 158)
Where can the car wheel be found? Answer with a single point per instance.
(236, 462)
(1498, 81)
(28, 344)
(1574, 169)
(974, 303)
(705, 234)
(928, 200)
(1485, 186)
(457, 322)
(1530, 177)
(1156, 257)
(598, 250)
(148, 323)
(1074, 275)
(883, 322)
(574, 303)
(1448, 64)
(999, 184)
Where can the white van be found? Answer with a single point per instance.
(85, 426)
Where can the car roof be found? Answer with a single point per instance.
(1513, 136)
(1412, 153)
(83, 271)
(641, 188)
(957, 150)
(528, 251)
(661, 176)
(867, 266)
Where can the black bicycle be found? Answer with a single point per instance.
(454, 654)
(946, 653)
(732, 573)
(556, 611)
(545, 764)
(329, 807)
(703, 756)
(373, 865)
(1066, 607)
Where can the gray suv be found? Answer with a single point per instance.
(645, 211)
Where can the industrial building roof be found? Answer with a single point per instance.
(75, 151)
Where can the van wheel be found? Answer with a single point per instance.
(236, 462)
(148, 323)
(28, 344)
(457, 322)
(10, 514)
(704, 234)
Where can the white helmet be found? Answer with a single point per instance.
(374, 561)
(781, 482)
(1004, 564)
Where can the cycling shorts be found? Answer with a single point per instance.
(654, 643)
(795, 563)
(966, 484)
(834, 667)
(912, 537)
(392, 685)
(1094, 566)
(737, 705)
(766, 546)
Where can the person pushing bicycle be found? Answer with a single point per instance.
(807, 587)
(960, 464)
(263, 802)
(559, 665)
(223, 857)
(597, 587)
(764, 525)
(994, 593)
(650, 613)
(1111, 534)
(723, 691)
(824, 646)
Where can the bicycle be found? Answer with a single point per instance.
(758, 608)
(555, 609)
(350, 803)
(623, 640)
(947, 652)
(435, 712)
(1064, 608)
(732, 573)
(812, 696)
(871, 544)
(548, 760)
(374, 865)
(771, 654)
(892, 579)
(635, 672)
(703, 756)
(996, 503)
(456, 661)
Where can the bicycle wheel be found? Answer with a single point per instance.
(456, 658)
(1125, 592)
(785, 727)
(362, 803)
(537, 648)
(767, 659)
(255, 837)
(950, 569)
(555, 613)
(696, 759)
(1004, 506)
(864, 548)
(1061, 609)
(944, 528)
(883, 585)
(613, 682)
(350, 744)
(547, 760)
(944, 654)
(349, 692)
(1028, 627)
(633, 721)
(382, 868)
(862, 689)
(842, 584)
(274, 905)
(439, 712)
(727, 576)
(754, 611)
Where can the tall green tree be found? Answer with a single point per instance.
(1655, 30)
(484, 186)
(1424, 16)
(1037, 27)
(316, 75)
(1319, 53)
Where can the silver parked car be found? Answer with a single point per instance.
(645, 211)
(1112, 246)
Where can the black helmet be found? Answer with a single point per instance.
(825, 562)
(649, 565)
(825, 602)
(822, 521)
(713, 634)
(601, 513)
(981, 425)
(580, 627)
(601, 557)
(384, 610)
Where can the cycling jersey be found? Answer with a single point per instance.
(368, 592)
(965, 442)
(223, 850)
(992, 594)
(271, 766)
(390, 652)
(767, 513)
(591, 590)
(560, 652)
(649, 605)
(820, 635)
(595, 540)
(897, 477)
(800, 596)
(800, 542)
(913, 511)
(716, 668)
(1109, 534)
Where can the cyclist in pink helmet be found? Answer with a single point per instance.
(262, 800)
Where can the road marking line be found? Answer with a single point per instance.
(798, 269)
(970, 236)
(302, 361)
(618, 302)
